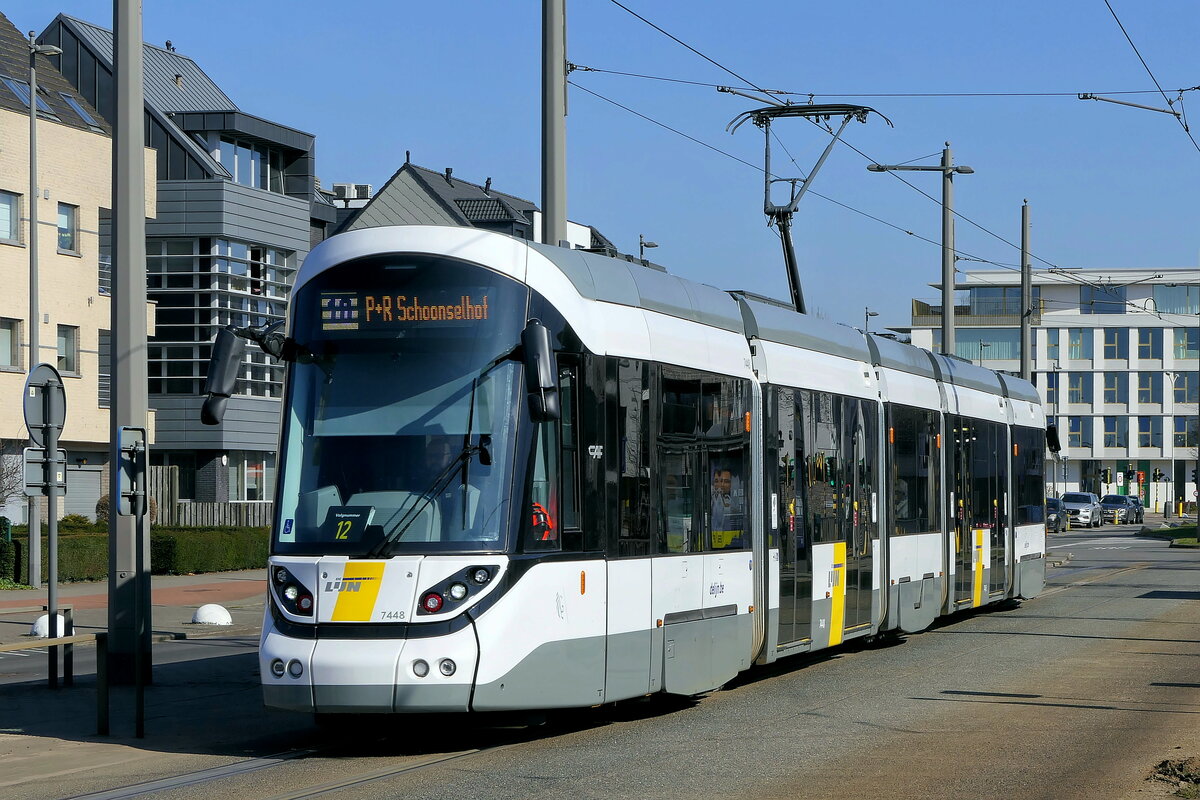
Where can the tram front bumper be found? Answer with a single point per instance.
(368, 675)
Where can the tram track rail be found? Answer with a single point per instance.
(249, 766)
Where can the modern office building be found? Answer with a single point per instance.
(1116, 358)
(237, 210)
(74, 155)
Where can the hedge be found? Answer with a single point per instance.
(173, 551)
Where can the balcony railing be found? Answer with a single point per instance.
(979, 315)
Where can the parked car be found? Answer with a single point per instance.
(1141, 510)
(1121, 509)
(1056, 515)
(1083, 508)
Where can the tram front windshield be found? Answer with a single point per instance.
(401, 410)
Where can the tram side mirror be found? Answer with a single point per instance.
(227, 353)
(1052, 439)
(541, 379)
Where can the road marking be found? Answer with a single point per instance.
(1080, 544)
(1077, 584)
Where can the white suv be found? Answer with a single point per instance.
(1083, 508)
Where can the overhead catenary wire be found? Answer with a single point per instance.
(1053, 267)
(1150, 72)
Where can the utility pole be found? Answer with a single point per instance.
(554, 122)
(35, 343)
(128, 553)
(1026, 297)
(948, 171)
(867, 314)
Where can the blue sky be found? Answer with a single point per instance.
(457, 83)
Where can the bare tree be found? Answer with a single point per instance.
(12, 473)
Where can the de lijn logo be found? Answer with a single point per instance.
(348, 584)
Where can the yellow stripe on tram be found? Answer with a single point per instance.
(977, 598)
(837, 623)
(360, 588)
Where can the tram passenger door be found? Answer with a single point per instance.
(788, 475)
(961, 544)
(858, 519)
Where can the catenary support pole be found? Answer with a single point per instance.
(128, 569)
(1026, 297)
(948, 345)
(35, 346)
(554, 122)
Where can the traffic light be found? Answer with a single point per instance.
(1130, 475)
(1157, 475)
(1106, 475)
(1193, 476)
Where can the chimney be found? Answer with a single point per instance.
(407, 156)
(449, 172)
(487, 186)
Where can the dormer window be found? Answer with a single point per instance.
(251, 164)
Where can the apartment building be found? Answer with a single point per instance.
(1116, 358)
(237, 210)
(73, 198)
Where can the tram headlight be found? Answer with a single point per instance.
(291, 592)
(431, 603)
(481, 575)
(277, 668)
(447, 667)
(458, 591)
(281, 575)
(420, 668)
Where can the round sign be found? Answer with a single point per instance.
(45, 402)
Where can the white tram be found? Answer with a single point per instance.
(514, 476)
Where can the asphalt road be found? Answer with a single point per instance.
(1078, 693)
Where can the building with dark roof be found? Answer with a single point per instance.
(416, 195)
(237, 211)
(74, 180)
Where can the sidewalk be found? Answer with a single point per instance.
(174, 599)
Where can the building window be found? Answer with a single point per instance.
(21, 90)
(1079, 344)
(1187, 343)
(1187, 387)
(1052, 345)
(1052, 389)
(1177, 299)
(1116, 432)
(251, 475)
(68, 349)
(1079, 387)
(104, 370)
(10, 344)
(1116, 344)
(75, 105)
(1150, 387)
(1101, 299)
(1116, 388)
(68, 228)
(1079, 431)
(1149, 431)
(1150, 343)
(250, 164)
(10, 217)
(1187, 432)
(992, 343)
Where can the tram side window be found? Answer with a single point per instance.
(1029, 480)
(552, 522)
(913, 439)
(633, 431)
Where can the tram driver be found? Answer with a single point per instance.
(726, 517)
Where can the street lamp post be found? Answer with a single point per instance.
(642, 245)
(867, 314)
(35, 344)
(948, 171)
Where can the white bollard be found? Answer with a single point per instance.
(41, 628)
(211, 614)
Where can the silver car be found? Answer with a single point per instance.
(1083, 508)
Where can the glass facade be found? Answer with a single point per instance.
(1101, 299)
(1079, 387)
(1079, 431)
(1187, 387)
(1187, 343)
(1116, 388)
(1150, 343)
(1150, 386)
(1183, 299)
(1116, 344)
(251, 164)
(204, 284)
(1116, 432)
(1149, 431)
(1079, 344)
